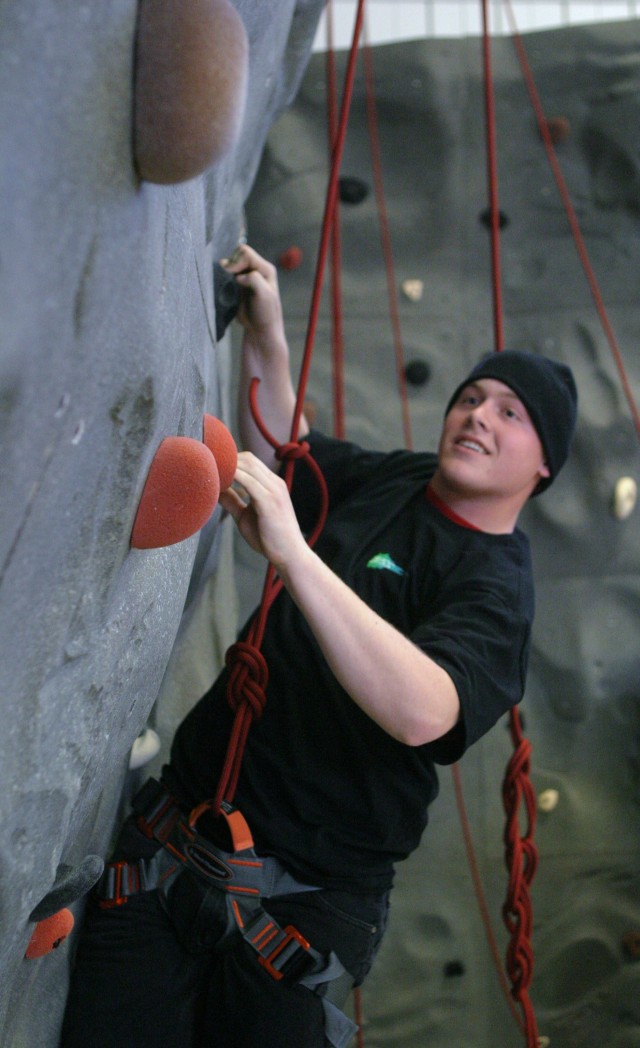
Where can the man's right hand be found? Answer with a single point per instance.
(260, 311)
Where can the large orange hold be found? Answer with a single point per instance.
(223, 448)
(49, 934)
(190, 86)
(180, 494)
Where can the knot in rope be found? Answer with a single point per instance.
(522, 862)
(248, 676)
(293, 450)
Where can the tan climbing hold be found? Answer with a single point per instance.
(548, 800)
(625, 496)
(413, 289)
(189, 86)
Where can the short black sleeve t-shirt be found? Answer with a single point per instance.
(323, 787)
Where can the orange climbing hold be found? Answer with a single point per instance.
(180, 494)
(190, 86)
(49, 934)
(223, 448)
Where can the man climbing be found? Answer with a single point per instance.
(395, 644)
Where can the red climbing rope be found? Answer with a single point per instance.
(385, 239)
(472, 859)
(492, 178)
(337, 333)
(520, 852)
(517, 909)
(592, 281)
(522, 862)
(248, 672)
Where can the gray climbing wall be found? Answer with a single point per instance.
(435, 983)
(108, 345)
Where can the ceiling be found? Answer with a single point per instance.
(393, 20)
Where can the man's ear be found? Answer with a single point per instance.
(544, 471)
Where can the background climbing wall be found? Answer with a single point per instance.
(435, 983)
(108, 346)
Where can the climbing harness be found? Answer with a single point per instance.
(246, 879)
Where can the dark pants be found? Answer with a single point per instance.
(150, 976)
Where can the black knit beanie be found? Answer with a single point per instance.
(547, 390)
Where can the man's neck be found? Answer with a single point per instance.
(497, 515)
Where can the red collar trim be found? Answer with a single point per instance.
(446, 511)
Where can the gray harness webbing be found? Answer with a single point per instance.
(246, 879)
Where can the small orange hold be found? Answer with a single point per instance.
(223, 448)
(180, 494)
(49, 934)
(291, 258)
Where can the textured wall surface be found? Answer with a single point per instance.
(434, 983)
(108, 346)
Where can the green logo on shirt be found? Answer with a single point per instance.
(384, 562)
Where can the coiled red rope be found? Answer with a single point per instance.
(522, 861)
(521, 855)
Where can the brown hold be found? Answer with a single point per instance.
(559, 129)
(49, 934)
(223, 448)
(189, 86)
(180, 494)
(631, 945)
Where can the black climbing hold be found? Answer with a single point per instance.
(226, 292)
(485, 218)
(71, 883)
(352, 190)
(453, 969)
(417, 372)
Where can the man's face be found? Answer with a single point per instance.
(489, 445)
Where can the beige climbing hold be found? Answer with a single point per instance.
(189, 86)
(548, 800)
(625, 495)
(145, 748)
(413, 289)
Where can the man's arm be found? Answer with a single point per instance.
(265, 355)
(408, 694)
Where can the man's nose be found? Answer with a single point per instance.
(478, 415)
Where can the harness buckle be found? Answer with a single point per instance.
(290, 958)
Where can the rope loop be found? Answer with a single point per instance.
(248, 676)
